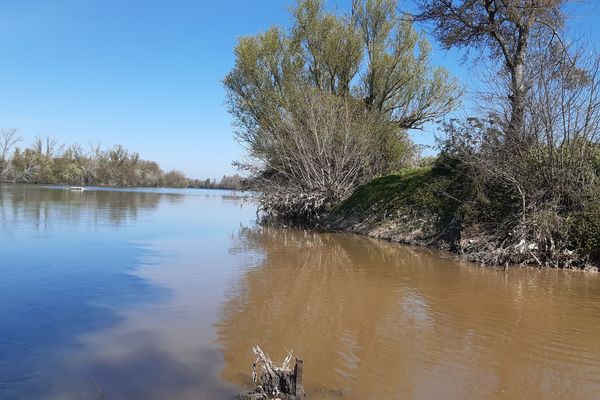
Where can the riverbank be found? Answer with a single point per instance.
(414, 208)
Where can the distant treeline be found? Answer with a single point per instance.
(48, 162)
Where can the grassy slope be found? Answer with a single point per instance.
(408, 207)
(413, 207)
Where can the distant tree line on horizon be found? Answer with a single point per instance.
(48, 162)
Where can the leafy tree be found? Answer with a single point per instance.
(174, 179)
(370, 62)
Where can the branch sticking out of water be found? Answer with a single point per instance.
(275, 381)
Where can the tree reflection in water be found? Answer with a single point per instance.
(42, 205)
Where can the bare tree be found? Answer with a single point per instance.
(47, 147)
(539, 192)
(506, 29)
(321, 149)
(8, 140)
(53, 148)
(563, 117)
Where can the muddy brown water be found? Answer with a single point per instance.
(161, 294)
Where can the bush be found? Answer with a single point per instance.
(586, 230)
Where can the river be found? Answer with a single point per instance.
(161, 294)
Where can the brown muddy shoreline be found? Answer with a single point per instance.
(421, 232)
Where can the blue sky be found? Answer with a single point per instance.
(145, 74)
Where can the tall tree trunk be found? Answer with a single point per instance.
(517, 104)
(518, 86)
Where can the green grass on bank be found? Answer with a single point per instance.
(420, 190)
(437, 201)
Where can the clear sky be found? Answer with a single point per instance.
(143, 73)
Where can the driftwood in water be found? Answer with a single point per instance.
(275, 381)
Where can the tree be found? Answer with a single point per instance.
(528, 175)
(8, 140)
(47, 162)
(320, 151)
(174, 179)
(506, 29)
(288, 90)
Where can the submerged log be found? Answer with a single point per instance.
(273, 381)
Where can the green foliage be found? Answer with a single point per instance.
(72, 174)
(585, 229)
(422, 190)
(47, 163)
(368, 68)
(533, 204)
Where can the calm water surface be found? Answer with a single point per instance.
(161, 294)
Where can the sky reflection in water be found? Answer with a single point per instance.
(76, 271)
(162, 294)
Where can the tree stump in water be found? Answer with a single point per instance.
(275, 382)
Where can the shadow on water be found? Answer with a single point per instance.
(377, 320)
